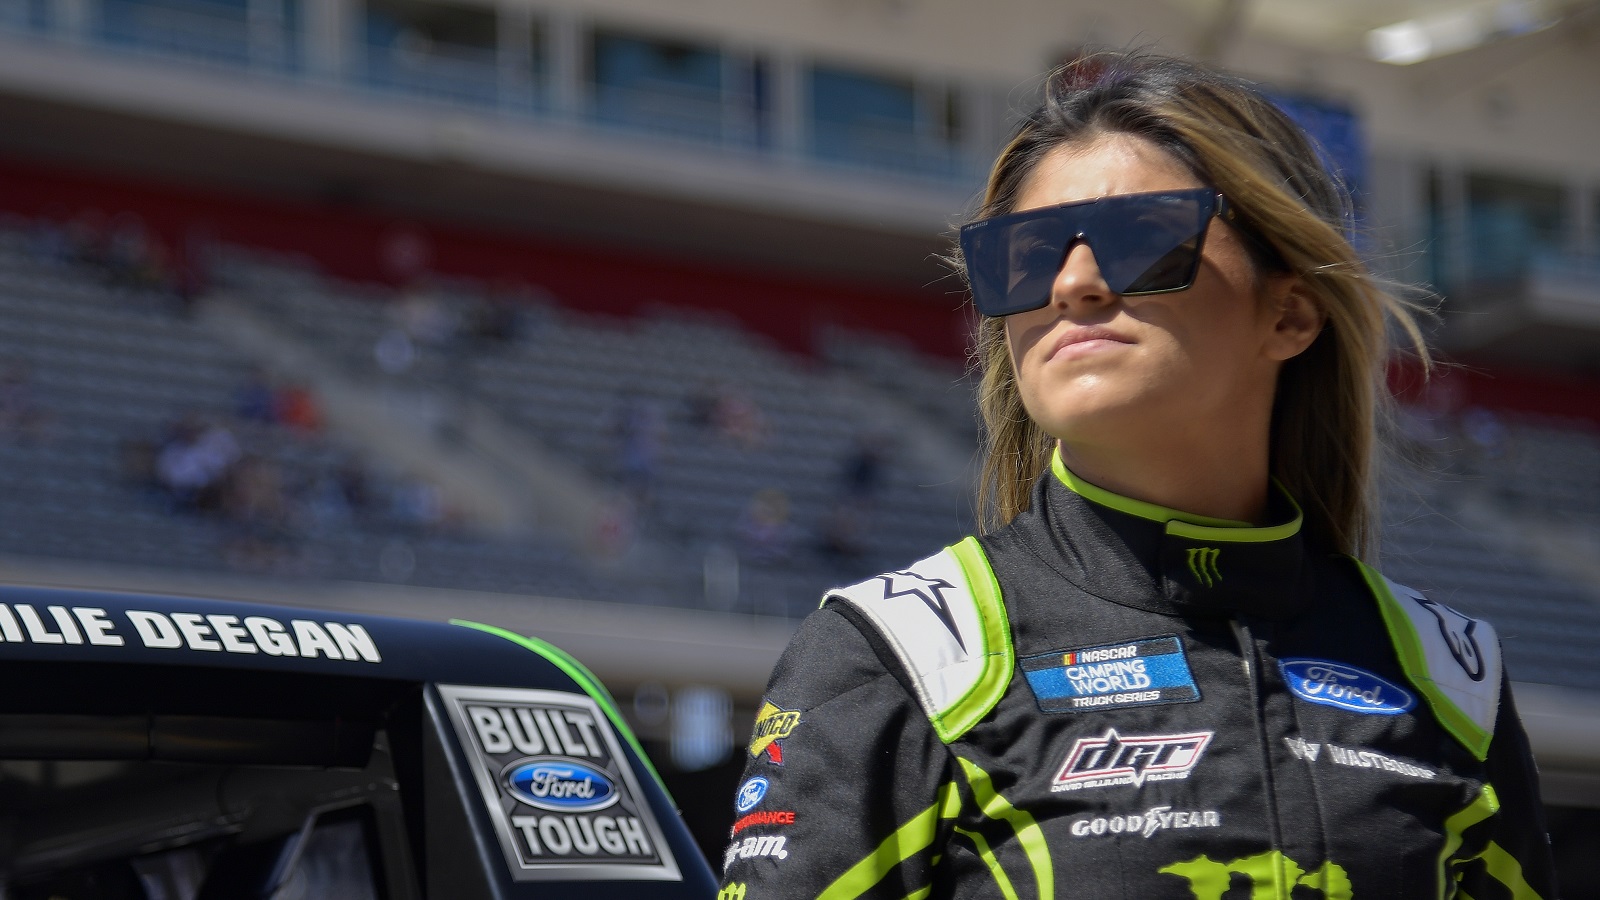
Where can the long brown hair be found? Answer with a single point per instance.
(1294, 216)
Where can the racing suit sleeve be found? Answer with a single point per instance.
(1509, 856)
(844, 777)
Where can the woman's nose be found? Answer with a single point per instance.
(1079, 280)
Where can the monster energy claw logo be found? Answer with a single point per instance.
(1203, 565)
(1209, 879)
(732, 892)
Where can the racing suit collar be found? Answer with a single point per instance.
(1174, 562)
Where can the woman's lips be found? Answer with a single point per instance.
(1084, 340)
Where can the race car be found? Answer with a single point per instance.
(174, 748)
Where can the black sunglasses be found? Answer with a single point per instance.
(1143, 243)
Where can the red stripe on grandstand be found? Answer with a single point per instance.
(1454, 388)
(348, 243)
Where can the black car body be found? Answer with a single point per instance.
(169, 748)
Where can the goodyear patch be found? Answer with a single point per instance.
(1140, 672)
(565, 802)
(773, 724)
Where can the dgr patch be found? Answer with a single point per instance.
(1141, 672)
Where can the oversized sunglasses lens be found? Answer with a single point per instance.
(1143, 244)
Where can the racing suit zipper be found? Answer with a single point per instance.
(1252, 676)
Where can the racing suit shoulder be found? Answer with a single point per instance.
(1451, 658)
(847, 792)
(945, 622)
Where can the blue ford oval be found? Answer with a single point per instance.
(1345, 687)
(751, 793)
(560, 784)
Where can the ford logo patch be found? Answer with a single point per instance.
(1347, 687)
(560, 784)
(751, 793)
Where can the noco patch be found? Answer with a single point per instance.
(1111, 676)
(1345, 687)
(772, 726)
(564, 801)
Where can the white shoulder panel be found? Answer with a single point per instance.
(1462, 654)
(928, 615)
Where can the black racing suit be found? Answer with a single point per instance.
(1167, 712)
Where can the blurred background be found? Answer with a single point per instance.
(621, 322)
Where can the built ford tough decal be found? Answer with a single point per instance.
(563, 799)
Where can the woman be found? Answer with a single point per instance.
(1162, 672)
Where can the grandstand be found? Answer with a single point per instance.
(625, 325)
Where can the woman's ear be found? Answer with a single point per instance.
(1295, 317)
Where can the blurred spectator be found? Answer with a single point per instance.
(134, 258)
(326, 506)
(493, 319)
(426, 320)
(763, 529)
(1483, 428)
(295, 407)
(406, 253)
(20, 415)
(418, 504)
(843, 532)
(737, 417)
(194, 463)
(191, 276)
(136, 460)
(860, 480)
(253, 501)
(86, 238)
(394, 351)
(641, 433)
(862, 476)
(701, 404)
(52, 242)
(254, 401)
(615, 529)
(352, 482)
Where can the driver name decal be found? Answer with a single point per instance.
(24, 623)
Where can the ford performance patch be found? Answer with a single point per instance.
(1112, 676)
(562, 796)
(1345, 687)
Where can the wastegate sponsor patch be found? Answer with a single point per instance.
(564, 801)
(1111, 676)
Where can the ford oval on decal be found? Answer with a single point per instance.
(1346, 687)
(751, 793)
(560, 784)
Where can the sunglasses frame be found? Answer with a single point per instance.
(971, 234)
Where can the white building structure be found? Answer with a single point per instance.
(832, 136)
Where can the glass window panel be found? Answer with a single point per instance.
(209, 30)
(446, 50)
(670, 86)
(884, 121)
(445, 25)
(1510, 220)
(640, 63)
(862, 118)
(25, 13)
